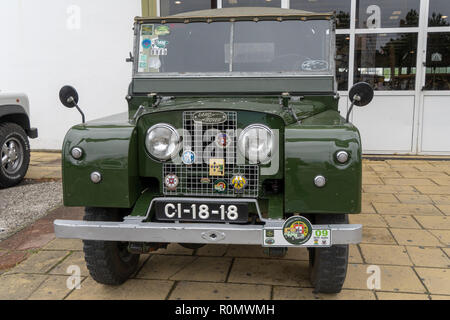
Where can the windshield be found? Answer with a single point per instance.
(266, 46)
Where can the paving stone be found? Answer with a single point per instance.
(401, 296)
(404, 208)
(40, 262)
(385, 254)
(408, 182)
(389, 189)
(65, 244)
(10, 259)
(379, 197)
(428, 257)
(413, 237)
(404, 167)
(371, 180)
(377, 236)
(270, 272)
(415, 174)
(444, 181)
(443, 190)
(174, 248)
(53, 288)
(434, 222)
(440, 199)
(399, 221)
(367, 220)
(75, 259)
(19, 286)
(185, 290)
(366, 207)
(436, 280)
(414, 198)
(354, 256)
(388, 174)
(205, 269)
(442, 235)
(445, 208)
(163, 266)
(213, 250)
(393, 278)
(246, 251)
(133, 289)
(427, 167)
(291, 293)
(439, 297)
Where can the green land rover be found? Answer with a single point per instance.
(232, 136)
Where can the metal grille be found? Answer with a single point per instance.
(195, 179)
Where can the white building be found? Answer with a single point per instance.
(401, 47)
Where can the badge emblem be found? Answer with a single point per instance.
(270, 241)
(188, 157)
(146, 43)
(220, 186)
(297, 230)
(239, 182)
(210, 117)
(223, 140)
(162, 30)
(216, 167)
(171, 181)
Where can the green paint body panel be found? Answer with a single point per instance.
(310, 150)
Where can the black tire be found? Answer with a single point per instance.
(328, 266)
(192, 246)
(13, 173)
(108, 262)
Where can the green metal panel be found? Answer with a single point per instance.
(110, 148)
(310, 150)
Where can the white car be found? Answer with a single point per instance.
(15, 130)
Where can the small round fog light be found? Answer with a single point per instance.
(342, 156)
(77, 153)
(320, 181)
(96, 177)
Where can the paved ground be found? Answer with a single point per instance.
(406, 218)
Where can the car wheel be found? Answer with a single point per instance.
(328, 266)
(108, 262)
(192, 246)
(14, 154)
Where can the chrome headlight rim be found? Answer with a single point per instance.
(173, 131)
(271, 136)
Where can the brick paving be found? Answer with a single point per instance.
(406, 219)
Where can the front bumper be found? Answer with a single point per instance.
(134, 230)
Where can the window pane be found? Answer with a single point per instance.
(438, 62)
(387, 13)
(386, 61)
(342, 54)
(170, 7)
(342, 8)
(439, 13)
(251, 3)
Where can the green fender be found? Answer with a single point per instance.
(110, 147)
(310, 149)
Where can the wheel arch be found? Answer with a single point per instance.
(15, 114)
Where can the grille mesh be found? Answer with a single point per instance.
(192, 177)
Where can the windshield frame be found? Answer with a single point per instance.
(233, 74)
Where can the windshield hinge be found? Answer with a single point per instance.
(285, 98)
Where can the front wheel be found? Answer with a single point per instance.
(14, 154)
(328, 266)
(108, 262)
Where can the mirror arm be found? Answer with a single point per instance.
(72, 100)
(355, 98)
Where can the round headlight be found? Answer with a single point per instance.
(256, 142)
(162, 141)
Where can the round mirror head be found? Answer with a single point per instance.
(361, 94)
(68, 96)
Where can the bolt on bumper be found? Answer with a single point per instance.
(134, 230)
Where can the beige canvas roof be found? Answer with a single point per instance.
(241, 13)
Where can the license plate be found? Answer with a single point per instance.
(201, 211)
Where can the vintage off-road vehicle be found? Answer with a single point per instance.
(15, 129)
(232, 136)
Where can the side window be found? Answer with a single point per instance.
(439, 13)
(438, 61)
(342, 60)
(250, 3)
(170, 7)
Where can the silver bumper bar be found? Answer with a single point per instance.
(134, 230)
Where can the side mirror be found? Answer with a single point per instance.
(69, 98)
(361, 94)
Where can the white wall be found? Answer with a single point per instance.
(43, 47)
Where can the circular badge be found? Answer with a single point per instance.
(171, 181)
(297, 230)
(146, 43)
(223, 140)
(220, 186)
(188, 157)
(239, 182)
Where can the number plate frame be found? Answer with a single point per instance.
(214, 209)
